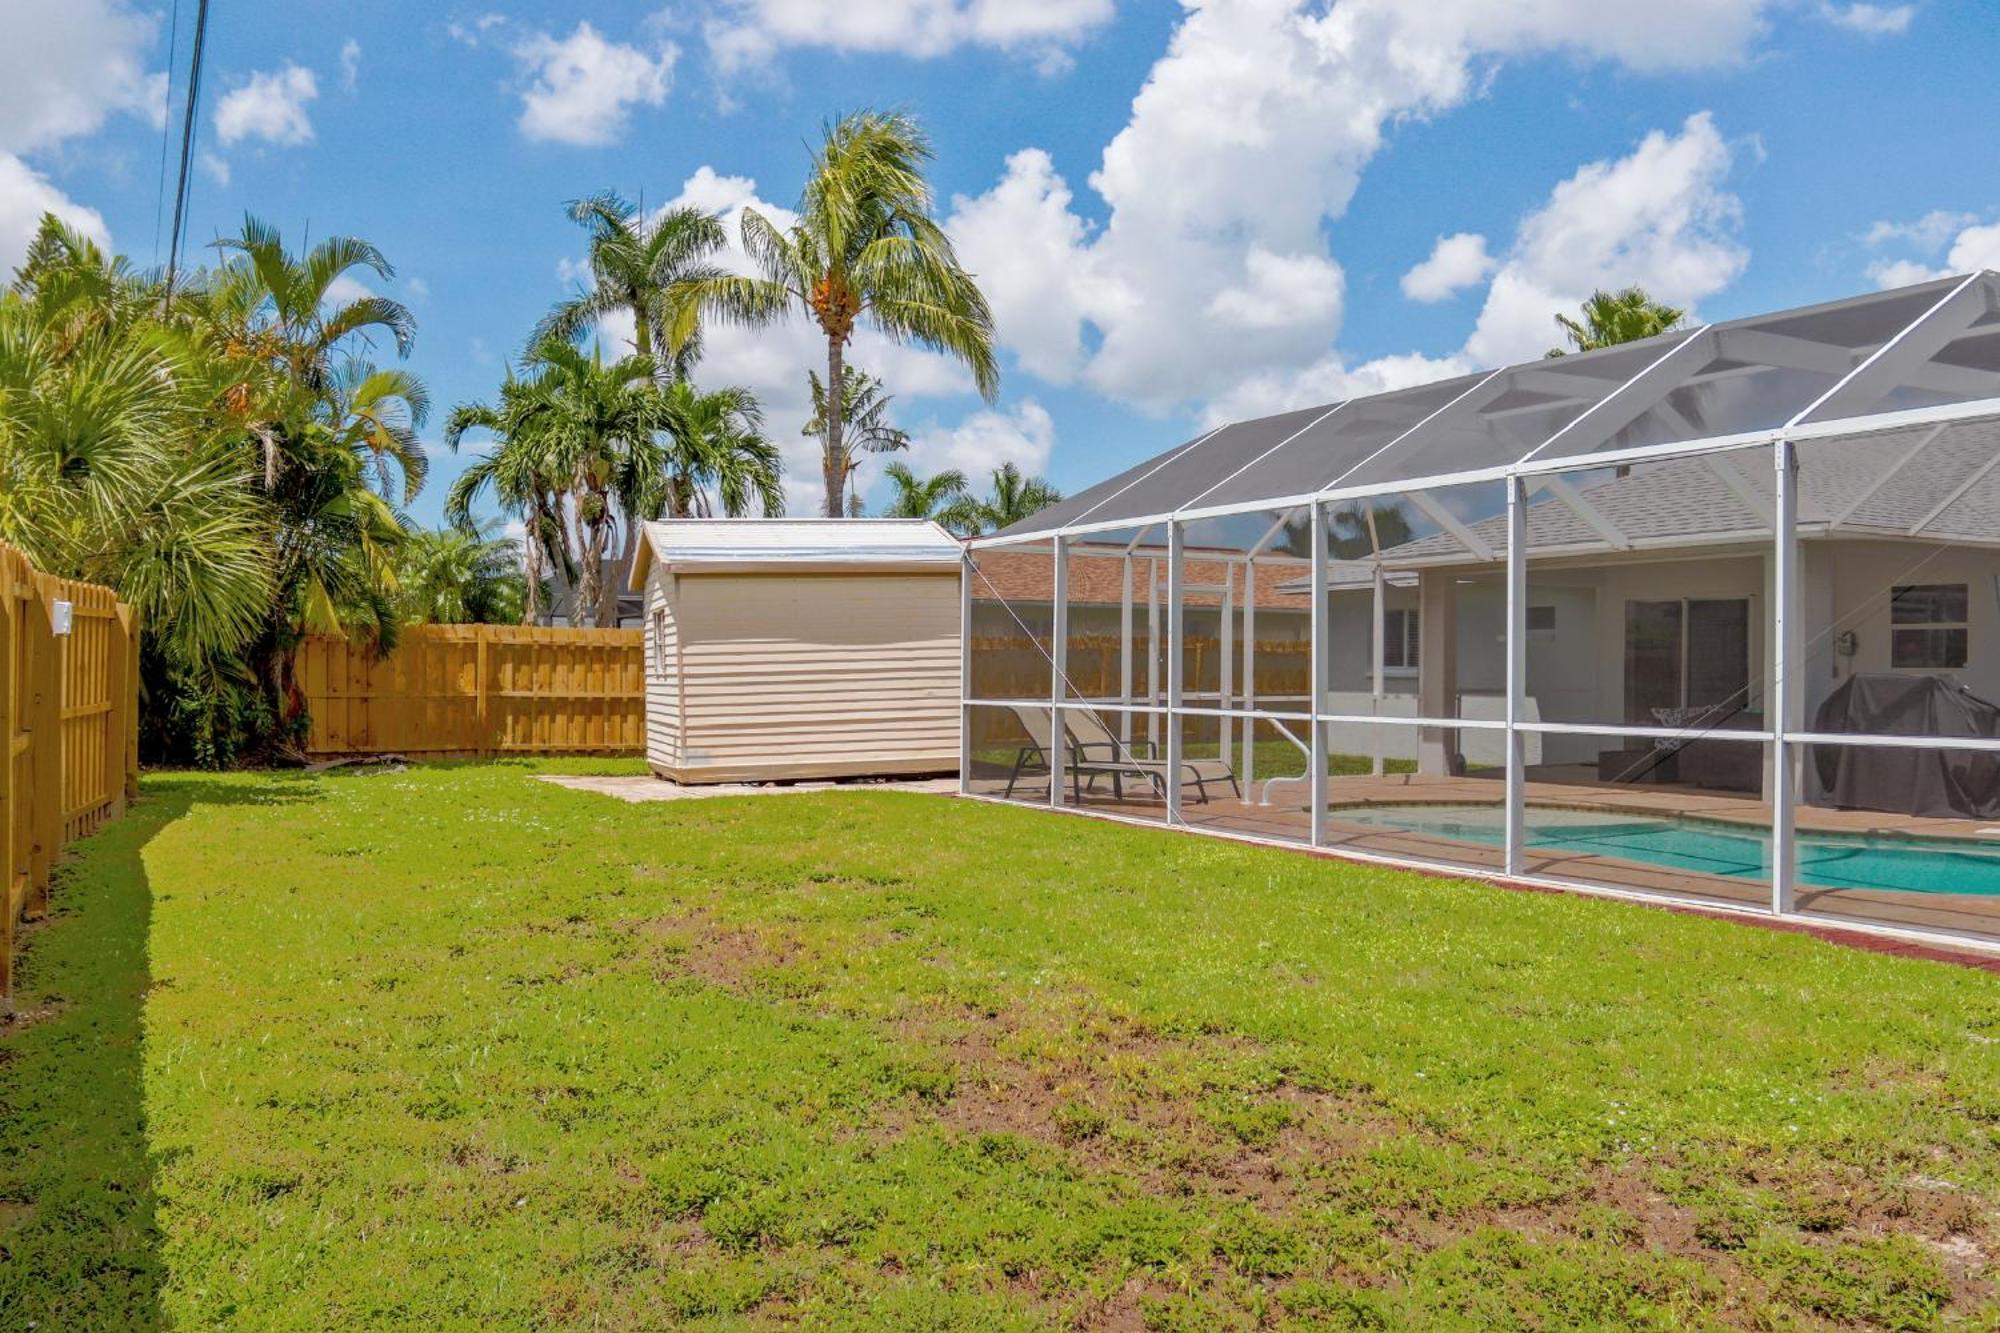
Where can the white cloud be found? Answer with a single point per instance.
(583, 87)
(1327, 380)
(350, 65)
(756, 30)
(24, 197)
(1887, 273)
(214, 166)
(1280, 292)
(1024, 436)
(1928, 233)
(1455, 263)
(1972, 245)
(270, 107)
(1870, 20)
(472, 32)
(66, 68)
(1658, 218)
(1250, 133)
(418, 289)
(773, 361)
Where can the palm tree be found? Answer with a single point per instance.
(596, 424)
(864, 415)
(1013, 498)
(718, 456)
(1610, 318)
(865, 248)
(277, 309)
(458, 576)
(653, 268)
(378, 414)
(521, 474)
(942, 497)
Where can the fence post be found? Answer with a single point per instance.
(117, 666)
(10, 810)
(45, 754)
(128, 619)
(480, 688)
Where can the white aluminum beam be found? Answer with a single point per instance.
(1515, 841)
(1451, 523)
(1592, 517)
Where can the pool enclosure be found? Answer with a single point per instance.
(1712, 617)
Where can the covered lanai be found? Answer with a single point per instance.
(1713, 617)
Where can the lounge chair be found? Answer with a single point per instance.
(1093, 753)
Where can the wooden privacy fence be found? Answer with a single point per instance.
(69, 721)
(472, 691)
(1017, 667)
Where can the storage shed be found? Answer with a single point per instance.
(799, 648)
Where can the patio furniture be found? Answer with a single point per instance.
(1093, 753)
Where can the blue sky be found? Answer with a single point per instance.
(1182, 213)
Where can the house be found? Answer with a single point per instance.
(780, 649)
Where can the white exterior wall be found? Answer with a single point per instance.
(663, 676)
(1858, 576)
(793, 675)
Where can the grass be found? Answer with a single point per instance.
(455, 1048)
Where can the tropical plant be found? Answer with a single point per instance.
(459, 576)
(227, 462)
(1610, 318)
(865, 248)
(1014, 497)
(718, 458)
(652, 268)
(864, 414)
(942, 497)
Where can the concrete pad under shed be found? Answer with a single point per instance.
(647, 788)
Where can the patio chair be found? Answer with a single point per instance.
(1103, 754)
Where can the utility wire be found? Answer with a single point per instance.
(187, 143)
(166, 126)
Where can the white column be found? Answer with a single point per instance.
(1784, 693)
(1318, 660)
(1249, 766)
(965, 575)
(1517, 669)
(1176, 629)
(1437, 669)
(1153, 651)
(1059, 672)
(1378, 647)
(1125, 646)
(1226, 667)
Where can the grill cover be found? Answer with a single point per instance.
(1943, 783)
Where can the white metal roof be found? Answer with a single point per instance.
(717, 544)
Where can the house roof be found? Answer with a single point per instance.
(1928, 483)
(1824, 371)
(1097, 577)
(716, 545)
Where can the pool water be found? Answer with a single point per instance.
(1826, 860)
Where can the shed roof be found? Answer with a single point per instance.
(753, 544)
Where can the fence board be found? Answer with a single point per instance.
(69, 757)
(473, 691)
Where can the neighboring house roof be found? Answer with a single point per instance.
(562, 597)
(1097, 577)
(719, 544)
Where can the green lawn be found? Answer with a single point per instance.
(453, 1048)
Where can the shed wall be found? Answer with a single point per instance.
(663, 677)
(817, 675)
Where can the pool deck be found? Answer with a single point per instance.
(1959, 914)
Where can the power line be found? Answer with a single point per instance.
(187, 143)
(166, 126)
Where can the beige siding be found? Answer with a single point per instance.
(800, 675)
(663, 677)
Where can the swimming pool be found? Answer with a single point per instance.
(1825, 860)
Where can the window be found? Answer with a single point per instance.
(1928, 626)
(663, 665)
(1541, 618)
(1399, 639)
